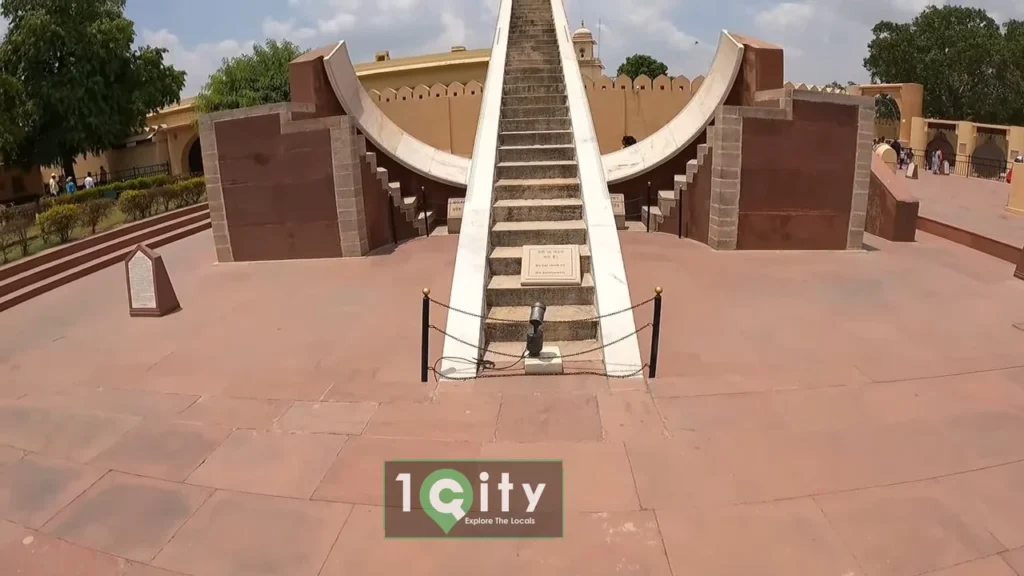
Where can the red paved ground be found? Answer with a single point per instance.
(973, 204)
(821, 414)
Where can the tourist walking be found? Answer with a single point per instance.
(54, 186)
(70, 187)
(89, 181)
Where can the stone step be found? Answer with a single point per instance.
(532, 210)
(521, 112)
(587, 357)
(506, 291)
(532, 70)
(520, 38)
(530, 101)
(537, 188)
(538, 233)
(508, 260)
(535, 124)
(533, 60)
(527, 90)
(540, 138)
(572, 322)
(533, 79)
(516, 53)
(523, 170)
(563, 153)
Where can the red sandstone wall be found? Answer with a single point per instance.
(797, 179)
(892, 211)
(699, 199)
(376, 204)
(1019, 273)
(278, 190)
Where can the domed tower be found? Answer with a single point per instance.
(583, 43)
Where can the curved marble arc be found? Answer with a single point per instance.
(682, 130)
(414, 154)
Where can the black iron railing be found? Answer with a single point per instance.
(963, 165)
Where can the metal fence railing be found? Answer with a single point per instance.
(116, 176)
(966, 166)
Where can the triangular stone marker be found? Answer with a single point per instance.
(150, 292)
(912, 171)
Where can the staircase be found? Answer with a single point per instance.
(420, 221)
(669, 200)
(537, 199)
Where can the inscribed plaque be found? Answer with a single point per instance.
(140, 282)
(551, 266)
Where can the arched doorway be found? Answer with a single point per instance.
(941, 142)
(194, 162)
(908, 100)
(989, 158)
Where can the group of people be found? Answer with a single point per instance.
(60, 186)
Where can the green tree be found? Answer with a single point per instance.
(250, 79)
(81, 85)
(961, 57)
(638, 64)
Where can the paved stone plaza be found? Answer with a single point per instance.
(816, 413)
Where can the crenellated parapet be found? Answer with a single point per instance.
(423, 92)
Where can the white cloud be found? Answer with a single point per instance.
(340, 23)
(286, 29)
(198, 61)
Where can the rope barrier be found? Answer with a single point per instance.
(510, 321)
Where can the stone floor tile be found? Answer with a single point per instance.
(1014, 559)
(115, 401)
(542, 417)
(249, 413)
(994, 496)
(991, 566)
(597, 474)
(273, 463)
(453, 416)
(35, 488)
(630, 415)
(906, 529)
(362, 549)
(69, 435)
(9, 454)
(235, 534)
(127, 516)
(781, 538)
(603, 543)
(167, 450)
(356, 475)
(328, 417)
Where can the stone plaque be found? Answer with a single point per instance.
(912, 171)
(455, 206)
(945, 167)
(141, 291)
(149, 287)
(551, 266)
(619, 210)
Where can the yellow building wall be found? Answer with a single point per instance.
(15, 183)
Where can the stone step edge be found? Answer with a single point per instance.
(68, 276)
(59, 252)
(56, 267)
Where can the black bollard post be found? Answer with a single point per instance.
(425, 344)
(648, 206)
(656, 332)
(423, 210)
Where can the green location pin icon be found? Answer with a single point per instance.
(446, 497)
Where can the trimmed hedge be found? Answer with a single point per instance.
(136, 204)
(112, 191)
(60, 222)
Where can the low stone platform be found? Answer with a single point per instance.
(855, 413)
(973, 204)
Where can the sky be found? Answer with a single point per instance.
(824, 40)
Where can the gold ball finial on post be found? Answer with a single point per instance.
(658, 290)
(426, 291)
